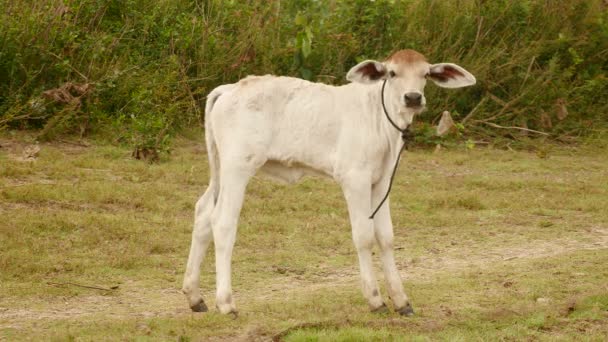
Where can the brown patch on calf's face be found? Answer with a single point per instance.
(406, 57)
(408, 69)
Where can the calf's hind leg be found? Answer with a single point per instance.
(201, 237)
(233, 182)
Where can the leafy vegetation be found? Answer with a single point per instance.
(149, 64)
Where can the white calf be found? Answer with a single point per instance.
(288, 127)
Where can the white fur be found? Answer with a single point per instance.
(288, 128)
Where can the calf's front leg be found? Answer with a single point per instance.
(383, 228)
(358, 196)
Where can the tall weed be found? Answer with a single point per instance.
(541, 65)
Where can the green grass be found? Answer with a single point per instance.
(493, 245)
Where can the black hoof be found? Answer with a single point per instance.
(407, 310)
(199, 307)
(381, 309)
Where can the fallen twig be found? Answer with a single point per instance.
(77, 143)
(112, 288)
(70, 66)
(480, 22)
(527, 73)
(470, 115)
(514, 127)
(511, 102)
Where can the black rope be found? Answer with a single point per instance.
(405, 136)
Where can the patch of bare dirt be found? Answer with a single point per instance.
(129, 301)
(50, 205)
(132, 300)
(427, 267)
(24, 151)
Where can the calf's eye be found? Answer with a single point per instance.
(391, 73)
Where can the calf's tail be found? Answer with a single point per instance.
(214, 162)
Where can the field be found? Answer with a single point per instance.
(492, 244)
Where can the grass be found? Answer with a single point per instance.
(493, 244)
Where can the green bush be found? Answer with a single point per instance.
(541, 65)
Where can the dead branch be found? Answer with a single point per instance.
(75, 143)
(85, 286)
(470, 115)
(68, 93)
(71, 67)
(478, 35)
(511, 102)
(527, 72)
(514, 127)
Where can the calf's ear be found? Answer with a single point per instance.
(448, 75)
(367, 72)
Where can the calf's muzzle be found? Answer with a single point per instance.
(413, 99)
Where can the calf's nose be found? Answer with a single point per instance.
(412, 99)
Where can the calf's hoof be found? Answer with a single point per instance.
(407, 310)
(199, 307)
(232, 313)
(381, 309)
(227, 309)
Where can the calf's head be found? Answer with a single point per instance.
(406, 73)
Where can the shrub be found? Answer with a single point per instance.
(540, 65)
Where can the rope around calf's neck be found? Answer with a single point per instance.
(405, 136)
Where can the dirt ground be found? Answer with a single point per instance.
(511, 243)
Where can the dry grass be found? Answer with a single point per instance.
(493, 245)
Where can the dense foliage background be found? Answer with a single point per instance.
(140, 69)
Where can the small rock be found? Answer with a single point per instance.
(542, 300)
(280, 269)
(30, 153)
(446, 310)
(570, 307)
(445, 123)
